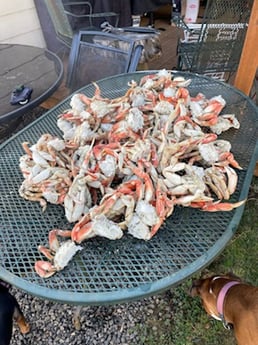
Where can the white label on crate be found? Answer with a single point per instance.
(191, 11)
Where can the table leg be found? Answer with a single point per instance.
(76, 318)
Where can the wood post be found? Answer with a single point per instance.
(249, 59)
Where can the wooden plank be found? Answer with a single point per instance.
(59, 95)
(249, 58)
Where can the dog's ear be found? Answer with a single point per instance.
(195, 288)
(231, 275)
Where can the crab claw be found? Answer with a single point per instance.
(44, 269)
(99, 226)
(58, 261)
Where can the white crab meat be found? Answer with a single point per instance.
(65, 253)
(209, 152)
(146, 212)
(135, 119)
(148, 84)
(225, 122)
(40, 160)
(67, 128)
(169, 92)
(57, 144)
(51, 196)
(138, 229)
(164, 73)
(196, 109)
(106, 127)
(223, 145)
(182, 82)
(198, 171)
(163, 108)
(83, 133)
(77, 105)
(33, 170)
(41, 175)
(104, 227)
(138, 100)
(108, 166)
(74, 210)
(77, 200)
(100, 108)
(80, 154)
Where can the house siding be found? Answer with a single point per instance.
(19, 23)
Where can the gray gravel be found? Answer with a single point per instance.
(123, 324)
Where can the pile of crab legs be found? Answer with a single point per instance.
(125, 163)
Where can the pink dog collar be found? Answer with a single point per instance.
(221, 298)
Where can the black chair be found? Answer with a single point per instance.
(214, 46)
(95, 55)
(149, 38)
(70, 16)
(81, 13)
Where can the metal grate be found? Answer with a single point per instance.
(114, 271)
(214, 46)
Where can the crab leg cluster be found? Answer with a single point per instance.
(123, 164)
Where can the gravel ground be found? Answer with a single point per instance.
(51, 323)
(123, 324)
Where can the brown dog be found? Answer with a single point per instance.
(235, 303)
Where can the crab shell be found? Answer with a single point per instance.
(64, 254)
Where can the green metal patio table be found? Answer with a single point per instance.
(107, 272)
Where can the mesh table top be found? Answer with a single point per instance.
(107, 271)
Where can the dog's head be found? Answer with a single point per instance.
(208, 289)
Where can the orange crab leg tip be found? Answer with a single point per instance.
(223, 206)
(45, 251)
(44, 269)
(86, 100)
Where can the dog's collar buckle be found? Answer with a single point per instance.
(226, 325)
